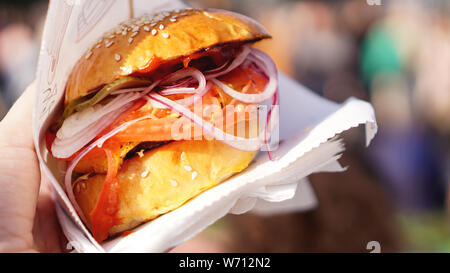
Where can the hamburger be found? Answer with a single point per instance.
(160, 109)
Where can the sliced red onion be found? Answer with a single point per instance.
(265, 63)
(64, 148)
(155, 104)
(240, 58)
(196, 97)
(82, 134)
(180, 84)
(219, 69)
(98, 143)
(80, 120)
(240, 143)
(80, 128)
(183, 73)
(151, 87)
(251, 65)
(272, 116)
(179, 90)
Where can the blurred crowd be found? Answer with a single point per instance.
(395, 55)
(21, 23)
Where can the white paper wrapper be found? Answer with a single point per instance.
(307, 132)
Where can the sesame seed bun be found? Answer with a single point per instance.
(141, 43)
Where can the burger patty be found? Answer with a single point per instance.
(125, 151)
(144, 147)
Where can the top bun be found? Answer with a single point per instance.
(135, 45)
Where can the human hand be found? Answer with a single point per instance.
(27, 216)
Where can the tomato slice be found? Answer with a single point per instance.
(104, 215)
(245, 79)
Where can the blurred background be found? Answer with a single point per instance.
(395, 54)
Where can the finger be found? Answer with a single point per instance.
(16, 127)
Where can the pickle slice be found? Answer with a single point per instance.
(82, 103)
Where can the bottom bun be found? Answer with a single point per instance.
(163, 179)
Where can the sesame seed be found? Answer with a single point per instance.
(153, 24)
(154, 31)
(83, 177)
(111, 36)
(134, 34)
(136, 28)
(130, 40)
(88, 54)
(173, 19)
(194, 175)
(182, 156)
(173, 182)
(77, 188)
(161, 26)
(109, 43)
(141, 153)
(146, 28)
(117, 57)
(188, 168)
(165, 35)
(144, 173)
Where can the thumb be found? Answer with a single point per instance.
(19, 174)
